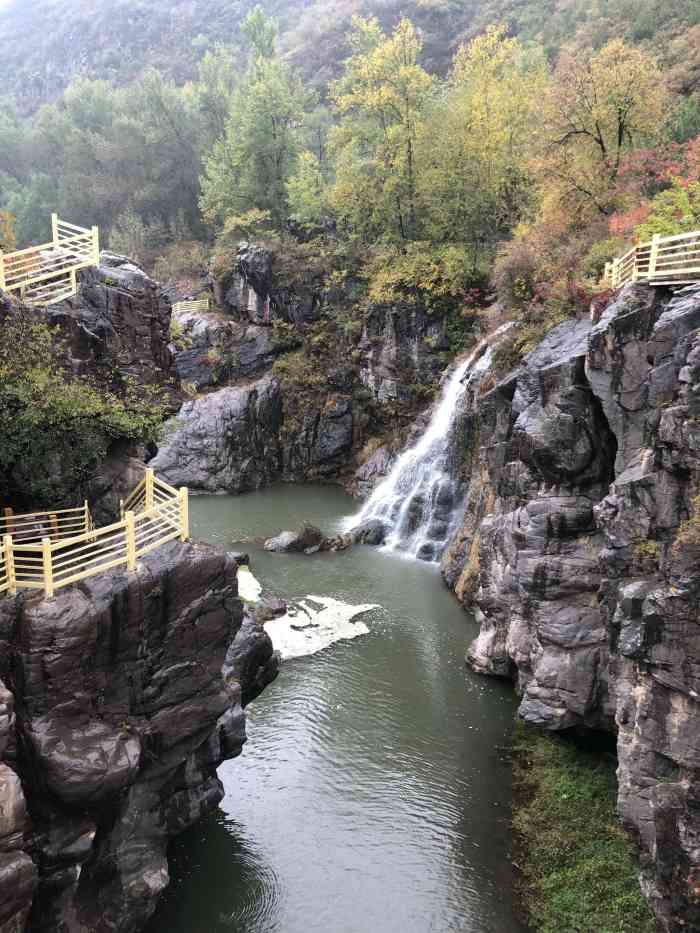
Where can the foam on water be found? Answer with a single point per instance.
(314, 624)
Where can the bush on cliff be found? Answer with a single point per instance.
(55, 427)
(578, 869)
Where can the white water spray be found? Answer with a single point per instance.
(418, 498)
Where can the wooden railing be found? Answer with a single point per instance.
(49, 550)
(47, 273)
(664, 260)
(201, 304)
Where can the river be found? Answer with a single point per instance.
(373, 795)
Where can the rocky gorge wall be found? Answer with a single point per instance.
(256, 415)
(578, 552)
(118, 701)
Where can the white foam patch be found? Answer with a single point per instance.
(314, 624)
(249, 589)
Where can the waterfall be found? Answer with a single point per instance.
(418, 498)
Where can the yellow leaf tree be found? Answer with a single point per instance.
(477, 143)
(380, 100)
(599, 107)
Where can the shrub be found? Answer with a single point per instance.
(516, 273)
(56, 428)
(599, 255)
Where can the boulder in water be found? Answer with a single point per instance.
(372, 532)
(306, 538)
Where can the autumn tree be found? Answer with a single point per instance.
(380, 101)
(477, 143)
(7, 232)
(599, 107)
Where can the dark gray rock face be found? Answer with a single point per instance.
(225, 442)
(116, 329)
(234, 440)
(252, 291)
(400, 345)
(213, 351)
(18, 873)
(129, 693)
(584, 464)
(119, 320)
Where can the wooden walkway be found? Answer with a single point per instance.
(49, 550)
(46, 273)
(664, 260)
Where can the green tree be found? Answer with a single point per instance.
(674, 211)
(250, 166)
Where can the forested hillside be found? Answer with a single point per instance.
(47, 43)
(429, 157)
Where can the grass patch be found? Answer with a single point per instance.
(579, 871)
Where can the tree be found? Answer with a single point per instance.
(7, 232)
(599, 107)
(380, 100)
(250, 166)
(476, 145)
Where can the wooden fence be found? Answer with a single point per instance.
(46, 273)
(49, 550)
(201, 304)
(664, 260)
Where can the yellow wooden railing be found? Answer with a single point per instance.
(201, 304)
(49, 550)
(664, 260)
(46, 273)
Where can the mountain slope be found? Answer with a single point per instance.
(46, 43)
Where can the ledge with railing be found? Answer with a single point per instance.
(664, 260)
(49, 550)
(46, 273)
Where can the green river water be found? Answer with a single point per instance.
(373, 795)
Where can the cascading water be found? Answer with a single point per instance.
(418, 498)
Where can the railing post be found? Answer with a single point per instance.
(635, 269)
(615, 272)
(2, 272)
(48, 567)
(149, 489)
(184, 514)
(654, 255)
(10, 565)
(96, 245)
(54, 229)
(8, 520)
(130, 542)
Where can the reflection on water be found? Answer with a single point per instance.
(372, 796)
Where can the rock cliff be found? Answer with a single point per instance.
(119, 700)
(578, 553)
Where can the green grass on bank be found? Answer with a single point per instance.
(579, 872)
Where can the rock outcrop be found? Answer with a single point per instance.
(227, 441)
(213, 351)
(578, 554)
(128, 693)
(237, 439)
